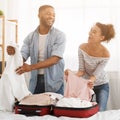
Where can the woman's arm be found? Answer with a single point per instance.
(80, 73)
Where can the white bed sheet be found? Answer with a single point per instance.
(106, 115)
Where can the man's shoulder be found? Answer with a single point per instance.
(56, 30)
(34, 32)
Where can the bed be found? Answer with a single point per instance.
(106, 115)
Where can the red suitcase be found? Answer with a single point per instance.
(31, 110)
(83, 112)
(75, 112)
(37, 104)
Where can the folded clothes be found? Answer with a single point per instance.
(73, 103)
(47, 98)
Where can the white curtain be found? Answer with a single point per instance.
(75, 17)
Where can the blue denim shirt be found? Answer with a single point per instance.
(55, 46)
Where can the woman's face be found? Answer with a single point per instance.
(95, 35)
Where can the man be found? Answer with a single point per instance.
(45, 47)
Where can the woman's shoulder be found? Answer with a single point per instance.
(83, 46)
(96, 52)
(105, 52)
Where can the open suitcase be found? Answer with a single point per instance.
(31, 110)
(55, 110)
(75, 112)
(77, 87)
(37, 104)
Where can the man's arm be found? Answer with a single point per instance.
(43, 64)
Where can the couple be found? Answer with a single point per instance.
(45, 46)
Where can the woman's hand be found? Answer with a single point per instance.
(91, 84)
(79, 73)
(66, 71)
(10, 50)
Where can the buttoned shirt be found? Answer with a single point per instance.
(55, 46)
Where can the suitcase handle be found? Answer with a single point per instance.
(19, 109)
(36, 112)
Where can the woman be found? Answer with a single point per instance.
(93, 57)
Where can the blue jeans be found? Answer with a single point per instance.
(102, 93)
(61, 90)
(40, 87)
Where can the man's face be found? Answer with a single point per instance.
(47, 17)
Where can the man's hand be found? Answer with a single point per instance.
(23, 69)
(10, 50)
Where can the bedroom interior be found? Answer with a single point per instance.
(74, 17)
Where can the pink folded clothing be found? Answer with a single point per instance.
(77, 87)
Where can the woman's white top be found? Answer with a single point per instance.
(93, 66)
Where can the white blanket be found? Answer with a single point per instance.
(107, 115)
(12, 86)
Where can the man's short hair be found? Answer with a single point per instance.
(43, 7)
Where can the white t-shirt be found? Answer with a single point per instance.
(42, 41)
